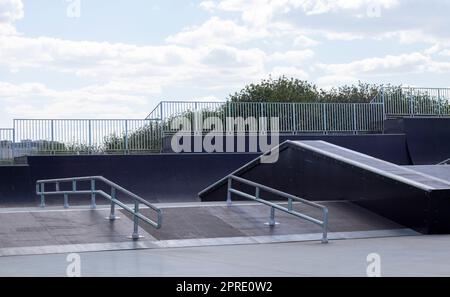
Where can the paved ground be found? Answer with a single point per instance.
(402, 256)
(184, 222)
(28, 231)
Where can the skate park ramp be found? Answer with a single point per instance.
(55, 230)
(428, 139)
(439, 171)
(320, 171)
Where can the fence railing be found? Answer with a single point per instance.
(85, 136)
(292, 117)
(128, 136)
(6, 144)
(405, 101)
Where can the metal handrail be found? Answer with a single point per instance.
(273, 206)
(40, 190)
(446, 162)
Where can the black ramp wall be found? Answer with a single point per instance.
(15, 183)
(316, 177)
(167, 177)
(391, 148)
(428, 139)
(157, 178)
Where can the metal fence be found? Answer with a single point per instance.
(6, 144)
(415, 101)
(124, 136)
(85, 136)
(292, 117)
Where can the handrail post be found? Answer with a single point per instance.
(272, 222)
(14, 140)
(42, 195)
(229, 202)
(52, 144)
(93, 205)
(112, 215)
(90, 137)
(66, 201)
(383, 100)
(135, 235)
(325, 225)
(126, 137)
(294, 119)
(411, 106)
(439, 102)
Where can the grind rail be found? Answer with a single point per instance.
(273, 206)
(446, 162)
(40, 190)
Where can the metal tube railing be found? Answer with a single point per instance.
(40, 190)
(274, 206)
(411, 102)
(293, 117)
(6, 144)
(446, 162)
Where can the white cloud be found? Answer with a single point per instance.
(10, 11)
(445, 52)
(295, 72)
(241, 42)
(34, 100)
(208, 5)
(260, 12)
(216, 31)
(330, 81)
(405, 63)
(291, 57)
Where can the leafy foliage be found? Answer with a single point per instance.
(285, 89)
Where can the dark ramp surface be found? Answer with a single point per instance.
(428, 139)
(249, 220)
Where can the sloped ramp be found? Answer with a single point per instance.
(320, 171)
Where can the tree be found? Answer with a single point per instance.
(282, 89)
(285, 89)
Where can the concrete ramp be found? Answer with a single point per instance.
(320, 171)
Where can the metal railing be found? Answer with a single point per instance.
(85, 136)
(411, 102)
(112, 197)
(273, 206)
(6, 144)
(446, 162)
(293, 117)
(123, 136)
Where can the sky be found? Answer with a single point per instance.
(119, 58)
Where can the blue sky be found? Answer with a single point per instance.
(118, 58)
